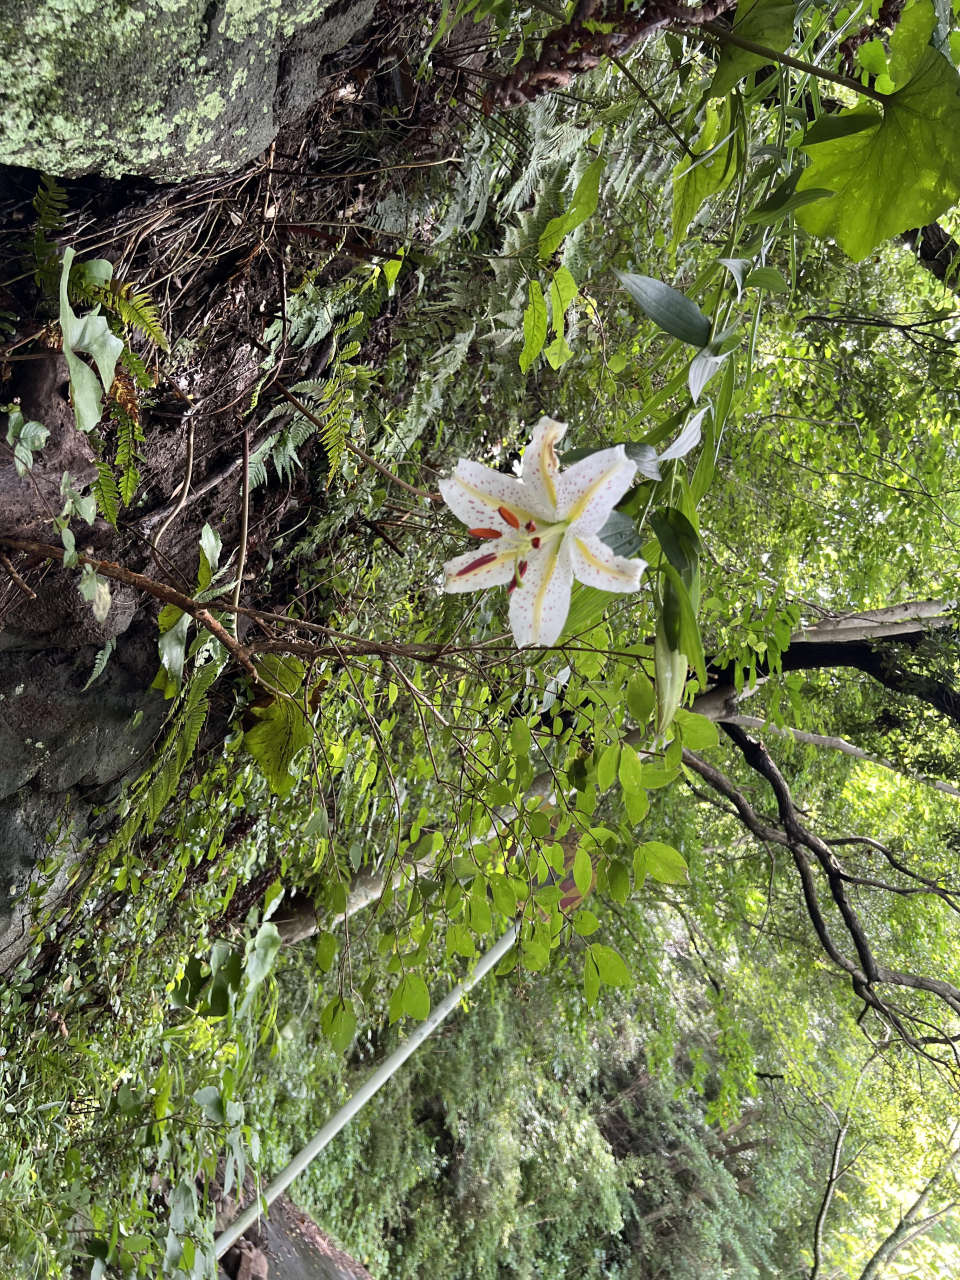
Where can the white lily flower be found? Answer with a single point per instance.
(544, 527)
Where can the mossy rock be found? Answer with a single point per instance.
(165, 88)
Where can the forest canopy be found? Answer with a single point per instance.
(525, 497)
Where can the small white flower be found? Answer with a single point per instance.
(545, 528)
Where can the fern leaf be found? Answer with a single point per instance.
(138, 311)
(101, 660)
(106, 492)
(50, 203)
(135, 366)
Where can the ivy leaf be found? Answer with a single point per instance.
(283, 731)
(765, 22)
(582, 207)
(903, 173)
(671, 311)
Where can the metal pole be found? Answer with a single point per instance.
(366, 1091)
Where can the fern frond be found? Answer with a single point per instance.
(101, 660)
(50, 203)
(135, 366)
(106, 493)
(137, 310)
(129, 435)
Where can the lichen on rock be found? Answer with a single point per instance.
(164, 88)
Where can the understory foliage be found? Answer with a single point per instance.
(691, 1063)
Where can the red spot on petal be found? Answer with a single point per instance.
(485, 533)
(476, 564)
(506, 514)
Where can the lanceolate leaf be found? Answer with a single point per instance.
(534, 326)
(582, 207)
(694, 178)
(669, 309)
(903, 173)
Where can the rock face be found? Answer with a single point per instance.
(164, 88)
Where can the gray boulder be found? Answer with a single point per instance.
(164, 88)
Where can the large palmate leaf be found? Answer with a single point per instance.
(766, 22)
(903, 173)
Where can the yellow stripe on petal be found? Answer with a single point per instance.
(541, 465)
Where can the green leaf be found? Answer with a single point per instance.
(630, 770)
(582, 872)
(620, 534)
(557, 353)
(582, 207)
(699, 733)
(90, 334)
(765, 22)
(662, 862)
(641, 698)
(504, 898)
(695, 179)
(585, 923)
(591, 980)
(610, 966)
(690, 643)
(618, 880)
(535, 957)
(415, 1000)
(282, 732)
(607, 768)
(262, 953)
(902, 174)
(563, 290)
(909, 41)
(828, 128)
(768, 278)
(326, 951)
(338, 1022)
(669, 310)
(534, 326)
(785, 200)
(173, 644)
(281, 671)
(639, 867)
(655, 776)
(520, 738)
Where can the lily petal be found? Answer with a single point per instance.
(475, 494)
(595, 565)
(539, 607)
(540, 464)
(480, 568)
(688, 438)
(589, 490)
